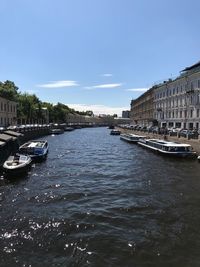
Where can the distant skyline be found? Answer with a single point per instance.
(96, 54)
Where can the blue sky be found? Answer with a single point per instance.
(96, 54)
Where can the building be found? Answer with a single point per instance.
(142, 109)
(8, 112)
(177, 102)
(125, 114)
(119, 120)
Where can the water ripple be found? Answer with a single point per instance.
(98, 201)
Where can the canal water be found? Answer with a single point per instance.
(99, 201)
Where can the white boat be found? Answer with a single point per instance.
(17, 165)
(132, 138)
(36, 149)
(168, 148)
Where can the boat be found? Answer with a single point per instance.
(168, 147)
(17, 165)
(68, 129)
(56, 131)
(115, 132)
(111, 127)
(132, 138)
(36, 149)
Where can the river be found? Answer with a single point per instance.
(99, 201)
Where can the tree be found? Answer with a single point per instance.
(8, 90)
(29, 107)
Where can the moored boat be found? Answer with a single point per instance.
(68, 129)
(56, 131)
(17, 165)
(132, 138)
(111, 127)
(115, 132)
(36, 149)
(168, 148)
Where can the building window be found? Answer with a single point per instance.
(185, 113)
(4, 107)
(198, 98)
(191, 113)
(181, 114)
(197, 112)
(198, 83)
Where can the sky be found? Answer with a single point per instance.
(96, 54)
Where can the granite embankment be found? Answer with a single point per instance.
(195, 143)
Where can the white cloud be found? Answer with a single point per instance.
(137, 89)
(99, 109)
(107, 75)
(108, 85)
(58, 84)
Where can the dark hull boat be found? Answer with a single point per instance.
(36, 149)
(115, 132)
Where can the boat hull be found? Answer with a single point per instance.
(36, 149)
(12, 169)
(39, 158)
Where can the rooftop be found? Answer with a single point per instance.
(192, 67)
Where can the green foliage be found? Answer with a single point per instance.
(29, 108)
(8, 90)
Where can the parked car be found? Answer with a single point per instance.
(188, 133)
